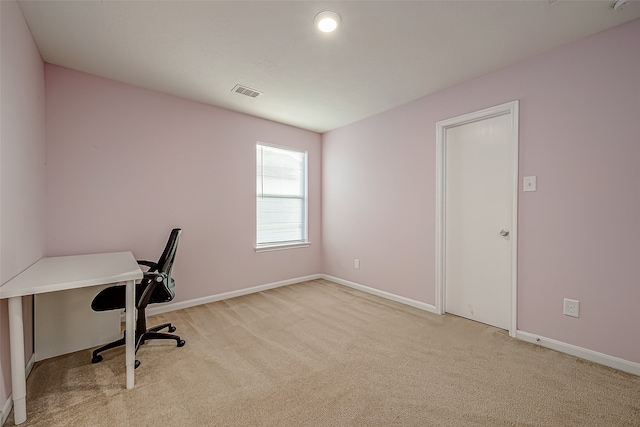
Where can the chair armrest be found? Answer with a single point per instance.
(150, 264)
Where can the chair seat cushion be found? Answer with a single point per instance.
(114, 297)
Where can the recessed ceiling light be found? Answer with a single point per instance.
(327, 21)
(618, 4)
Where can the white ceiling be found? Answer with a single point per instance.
(385, 53)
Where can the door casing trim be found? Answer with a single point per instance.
(511, 108)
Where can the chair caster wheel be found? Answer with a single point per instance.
(137, 364)
(172, 328)
(181, 343)
(97, 358)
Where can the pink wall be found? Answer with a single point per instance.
(125, 165)
(579, 233)
(22, 140)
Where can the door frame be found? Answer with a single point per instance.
(511, 108)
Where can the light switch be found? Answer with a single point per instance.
(529, 183)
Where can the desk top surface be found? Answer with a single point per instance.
(70, 272)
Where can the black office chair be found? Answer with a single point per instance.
(155, 287)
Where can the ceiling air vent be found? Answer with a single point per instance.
(247, 91)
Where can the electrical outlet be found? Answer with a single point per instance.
(356, 264)
(529, 183)
(571, 307)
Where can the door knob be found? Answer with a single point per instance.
(504, 232)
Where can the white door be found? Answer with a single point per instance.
(479, 158)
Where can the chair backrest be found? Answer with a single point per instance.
(162, 292)
(165, 263)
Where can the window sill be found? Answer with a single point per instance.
(281, 247)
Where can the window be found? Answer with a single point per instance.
(281, 197)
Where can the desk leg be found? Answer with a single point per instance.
(16, 341)
(130, 332)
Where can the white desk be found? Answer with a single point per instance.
(58, 274)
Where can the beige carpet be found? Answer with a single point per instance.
(319, 354)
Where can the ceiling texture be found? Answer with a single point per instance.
(384, 54)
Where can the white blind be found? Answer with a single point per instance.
(281, 195)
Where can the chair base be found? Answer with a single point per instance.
(150, 334)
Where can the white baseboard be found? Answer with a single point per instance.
(165, 308)
(397, 298)
(583, 353)
(6, 408)
(29, 367)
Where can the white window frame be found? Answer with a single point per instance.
(304, 242)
